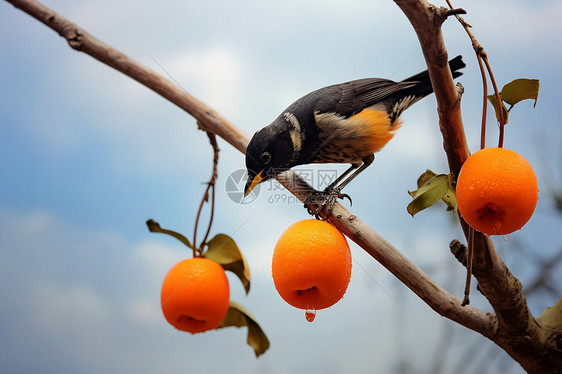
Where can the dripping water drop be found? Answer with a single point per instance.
(310, 314)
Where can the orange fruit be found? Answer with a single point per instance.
(195, 295)
(311, 265)
(497, 191)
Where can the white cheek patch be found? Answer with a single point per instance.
(295, 132)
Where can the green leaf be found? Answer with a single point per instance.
(223, 249)
(520, 89)
(429, 193)
(154, 226)
(492, 99)
(238, 316)
(450, 199)
(427, 175)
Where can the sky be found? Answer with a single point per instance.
(87, 156)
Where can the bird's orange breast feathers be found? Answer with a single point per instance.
(376, 127)
(355, 137)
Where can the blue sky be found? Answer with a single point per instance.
(88, 155)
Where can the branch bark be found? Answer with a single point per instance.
(514, 328)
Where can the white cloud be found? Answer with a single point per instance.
(61, 306)
(213, 74)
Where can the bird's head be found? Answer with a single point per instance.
(270, 152)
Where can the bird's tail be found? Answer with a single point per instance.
(424, 87)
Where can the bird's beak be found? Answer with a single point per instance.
(252, 182)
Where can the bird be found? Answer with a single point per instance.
(342, 123)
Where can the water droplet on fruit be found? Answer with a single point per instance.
(506, 237)
(310, 314)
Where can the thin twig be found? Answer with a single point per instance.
(216, 150)
(454, 12)
(482, 55)
(484, 103)
(478, 50)
(469, 259)
(498, 100)
(210, 188)
(197, 250)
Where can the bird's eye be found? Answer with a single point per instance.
(265, 157)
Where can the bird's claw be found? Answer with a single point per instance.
(321, 199)
(345, 196)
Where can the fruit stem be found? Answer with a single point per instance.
(482, 56)
(198, 250)
(498, 100)
(469, 258)
(484, 104)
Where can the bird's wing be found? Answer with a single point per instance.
(347, 99)
(360, 94)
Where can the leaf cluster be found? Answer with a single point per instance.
(432, 187)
